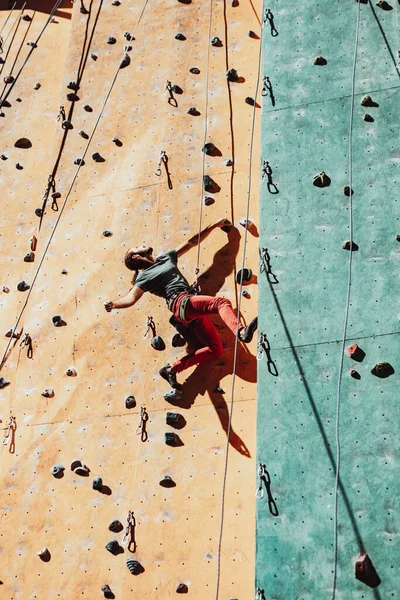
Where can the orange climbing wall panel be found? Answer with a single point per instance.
(177, 530)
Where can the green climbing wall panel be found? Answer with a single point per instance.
(302, 301)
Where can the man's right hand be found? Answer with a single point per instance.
(108, 305)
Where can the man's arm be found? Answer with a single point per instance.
(129, 300)
(196, 239)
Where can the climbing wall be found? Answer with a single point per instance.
(68, 217)
(329, 311)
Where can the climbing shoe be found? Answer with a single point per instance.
(170, 377)
(246, 333)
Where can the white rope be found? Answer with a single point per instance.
(346, 315)
(8, 16)
(236, 339)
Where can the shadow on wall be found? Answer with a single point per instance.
(44, 6)
(206, 377)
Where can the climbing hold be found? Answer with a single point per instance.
(23, 143)
(322, 180)
(97, 157)
(172, 439)
(106, 588)
(117, 142)
(244, 275)
(57, 471)
(367, 101)
(82, 470)
(176, 89)
(347, 190)
(67, 124)
(48, 393)
(44, 554)
(355, 352)
(18, 100)
(368, 118)
(3, 157)
(125, 61)
(134, 566)
(195, 71)
(23, 286)
(246, 293)
(71, 372)
(3, 383)
(173, 419)
(8, 79)
(38, 212)
(182, 588)
(72, 97)
(88, 108)
(113, 547)
(180, 36)
(229, 162)
(26, 18)
(167, 482)
(173, 395)
(382, 370)
(33, 242)
(37, 86)
(209, 149)
(64, 272)
(83, 134)
(107, 233)
(348, 245)
(116, 3)
(18, 166)
(355, 374)
(79, 161)
(208, 183)
(384, 5)
(130, 402)
(29, 257)
(185, 1)
(57, 321)
(398, 238)
(111, 40)
(128, 36)
(215, 41)
(97, 483)
(253, 34)
(12, 334)
(193, 111)
(31, 43)
(366, 572)
(73, 85)
(115, 526)
(208, 200)
(93, 56)
(178, 340)
(83, 10)
(320, 61)
(250, 101)
(158, 343)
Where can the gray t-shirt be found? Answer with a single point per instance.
(163, 278)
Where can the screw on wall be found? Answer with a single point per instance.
(267, 89)
(264, 481)
(266, 174)
(141, 428)
(164, 161)
(269, 18)
(129, 537)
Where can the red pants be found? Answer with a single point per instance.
(200, 307)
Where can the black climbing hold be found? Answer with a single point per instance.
(178, 340)
(26, 18)
(367, 101)
(116, 3)
(73, 85)
(167, 482)
(347, 191)
(245, 273)
(208, 200)
(366, 572)
(382, 370)
(64, 272)
(180, 36)
(107, 233)
(398, 238)
(48, 393)
(253, 34)
(322, 180)
(37, 86)
(57, 321)
(57, 471)
(3, 157)
(348, 245)
(130, 402)
(79, 161)
(195, 71)
(83, 10)
(209, 149)
(320, 61)
(355, 374)
(182, 588)
(97, 483)
(210, 185)
(29, 257)
(172, 439)
(67, 124)
(368, 118)
(115, 526)
(176, 89)
(23, 286)
(134, 566)
(88, 108)
(193, 111)
(97, 157)
(23, 143)
(185, 1)
(250, 101)
(12, 334)
(93, 56)
(173, 395)
(125, 61)
(173, 419)
(6, 104)
(229, 162)
(8, 79)
(107, 591)
(3, 383)
(128, 36)
(72, 97)
(111, 40)
(117, 142)
(106, 588)
(158, 343)
(38, 212)
(44, 554)
(18, 166)
(384, 5)
(215, 41)
(113, 547)
(71, 372)
(83, 134)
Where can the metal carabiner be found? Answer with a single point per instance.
(261, 475)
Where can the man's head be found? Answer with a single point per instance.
(139, 257)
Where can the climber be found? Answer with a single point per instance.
(161, 276)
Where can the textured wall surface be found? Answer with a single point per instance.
(178, 529)
(305, 391)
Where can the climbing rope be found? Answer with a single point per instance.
(68, 191)
(33, 46)
(197, 270)
(346, 314)
(236, 338)
(8, 16)
(15, 24)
